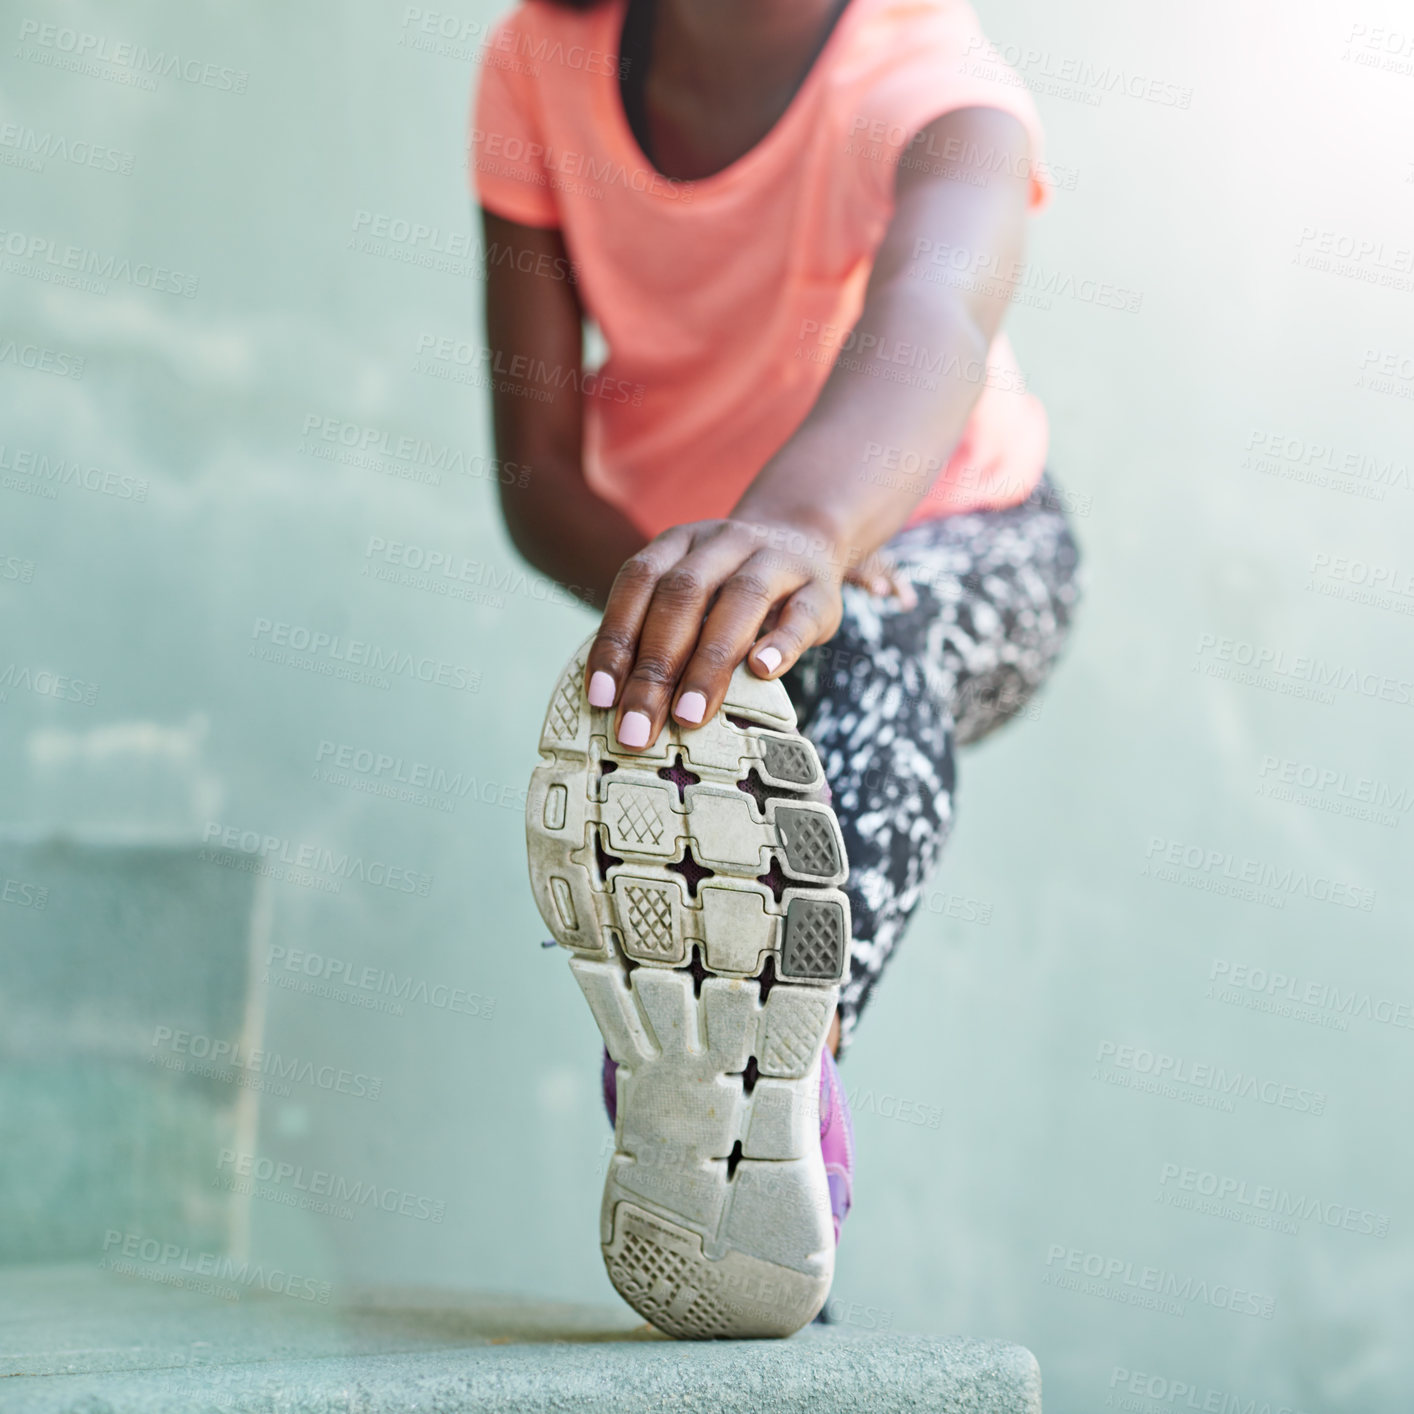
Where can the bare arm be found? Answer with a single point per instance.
(534, 329)
(813, 479)
(689, 606)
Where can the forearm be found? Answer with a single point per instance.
(820, 479)
(567, 531)
(534, 321)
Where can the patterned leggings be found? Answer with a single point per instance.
(889, 697)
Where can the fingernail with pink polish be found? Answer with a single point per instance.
(769, 658)
(601, 690)
(691, 706)
(633, 730)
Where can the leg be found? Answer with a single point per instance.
(887, 700)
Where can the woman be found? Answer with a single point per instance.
(797, 224)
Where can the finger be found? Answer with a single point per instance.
(884, 580)
(670, 633)
(746, 600)
(876, 584)
(612, 653)
(810, 616)
(772, 615)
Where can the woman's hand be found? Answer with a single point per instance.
(765, 585)
(689, 606)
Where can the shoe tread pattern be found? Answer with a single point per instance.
(706, 856)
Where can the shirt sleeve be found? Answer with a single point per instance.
(946, 64)
(506, 155)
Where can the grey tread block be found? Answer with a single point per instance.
(791, 761)
(648, 865)
(811, 836)
(817, 939)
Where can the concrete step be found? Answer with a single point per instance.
(74, 1339)
(109, 955)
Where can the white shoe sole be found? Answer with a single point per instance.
(716, 1214)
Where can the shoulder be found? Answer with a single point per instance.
(552, 47)
(899, 46)
(909, 63)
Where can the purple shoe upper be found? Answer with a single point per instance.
(609, 1078)
(836, 1130)
(836, 1140)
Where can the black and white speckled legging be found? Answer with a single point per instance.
(888, 699)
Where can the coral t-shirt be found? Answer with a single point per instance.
(725, 301)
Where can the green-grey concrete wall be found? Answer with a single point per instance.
(1218, 316)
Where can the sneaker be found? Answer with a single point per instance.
(695, 885)
(836, 1135)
